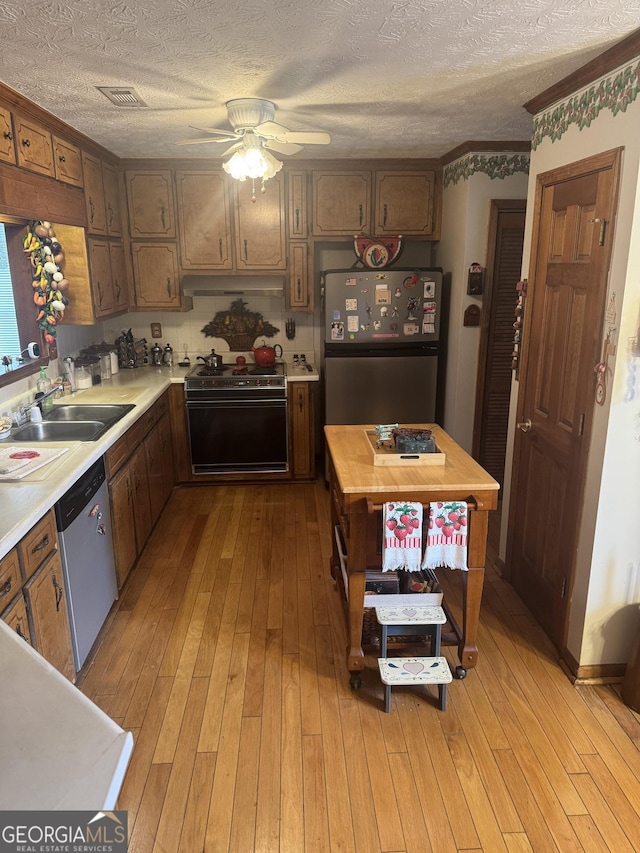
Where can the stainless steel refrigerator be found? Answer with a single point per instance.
(383, 361)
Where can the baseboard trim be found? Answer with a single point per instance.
(605, 673)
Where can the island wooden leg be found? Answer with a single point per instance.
(355, 655)
(472, 584)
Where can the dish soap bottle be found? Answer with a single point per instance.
(44, 387)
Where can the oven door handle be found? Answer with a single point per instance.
(235, 404)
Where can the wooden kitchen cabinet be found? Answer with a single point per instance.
(10, 578)
(16, 618)
(94, 194)
(299, 291)
(155, 276)
(405, 203)
(302, 430)
(46, 596)
(34, 148)
(140, 471)
(204, 219)
(151, 204)
(260, 227)
(297, 205)
(102, 285)
(7, 144)
(341, 203)
(122, 522)
(118, 276)
(112, 200)
(67, 161)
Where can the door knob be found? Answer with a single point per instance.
(525, 425)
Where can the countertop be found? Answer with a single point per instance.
(25, 501)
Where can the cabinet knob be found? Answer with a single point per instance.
(8, 134)
(62, 158)
(26, 143)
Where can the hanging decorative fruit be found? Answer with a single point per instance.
(49, 284)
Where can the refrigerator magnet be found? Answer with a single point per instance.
(429, 290)
(353, 323)
(411, 329)
(351, 282)
(383, 295)
(337, 331)
(351, 304)
(429, 307)
(336, 315)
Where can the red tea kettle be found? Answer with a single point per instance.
(265, 356)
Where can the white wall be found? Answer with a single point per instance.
(604, 613)
(465, 225)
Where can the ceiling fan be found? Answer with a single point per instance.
(252, 120)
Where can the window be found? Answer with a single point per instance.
(17, 315)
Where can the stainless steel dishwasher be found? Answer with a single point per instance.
(84, 531)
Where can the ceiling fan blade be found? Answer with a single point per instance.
(201, 141)
(311, 137)
(270, 128)
(281, 147)
(233, 148)
(216, 131)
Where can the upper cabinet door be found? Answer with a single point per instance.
(94, 194)
(112, 202)
(260, 226)
(68, 162)
(7, 147)
(101, 283)
(118, 276)
(205, 220)
(341, 203)
(151, 205)
(155, 274)
(405, 203)
(297, 193)
(33, 147)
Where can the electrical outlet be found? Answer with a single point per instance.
(156, 330)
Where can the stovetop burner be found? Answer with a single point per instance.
(205, 370)
(236, 375)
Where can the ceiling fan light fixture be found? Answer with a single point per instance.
(252, 161)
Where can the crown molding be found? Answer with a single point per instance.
(484, 148)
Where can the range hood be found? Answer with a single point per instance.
(233, 285)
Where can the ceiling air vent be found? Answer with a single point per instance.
(122, 96)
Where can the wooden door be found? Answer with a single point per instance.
(260, 226)
(7, 147)
(155, 473)
(155, 274)
(68, 162)
(141, 499)
(33, 147)
(101, 284)
(204, 215)
(341, 203)
(118, 275)
(112, 202)
(493, 386)
(151, 206)
(573, 231)
(51, 633)
(404, 203)
(94, 194)
(122, 523)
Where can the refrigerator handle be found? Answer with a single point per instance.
(322, 293)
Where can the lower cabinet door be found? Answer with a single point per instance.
(47, 599)
(16, 617)
(122, 522)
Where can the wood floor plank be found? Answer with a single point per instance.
(598, 809)
(588, 834)
(213, 622)
(314, 787)
(269, 808)
(411, 814)
(243, 822)
(291, 779)
(216, 697)
(517, 843)
(181, 626)
(626, 809)
(254, 690)
(137, 707)
(142, 839)
(290, 643)
(197, 812)
(311, 722)
(173, 813)
(363, 811)
(224, 780)
(177, 704)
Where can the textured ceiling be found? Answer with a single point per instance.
(387, 78)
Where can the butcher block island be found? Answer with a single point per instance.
(359, 489)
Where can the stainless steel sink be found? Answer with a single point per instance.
(73, 423)
(60, 431)
(83, 412)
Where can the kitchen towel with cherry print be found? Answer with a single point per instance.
(402, 540)
(446, 536)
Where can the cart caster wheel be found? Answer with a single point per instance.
(460, 672)
(355, 681)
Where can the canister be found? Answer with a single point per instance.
(115, 366)
(105, 366)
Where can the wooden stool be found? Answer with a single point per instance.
(416, 621)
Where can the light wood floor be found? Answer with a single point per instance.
(225, 658)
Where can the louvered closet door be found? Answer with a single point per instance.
(493, 421)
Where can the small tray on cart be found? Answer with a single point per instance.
(387, 455)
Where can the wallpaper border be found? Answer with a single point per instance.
(494, 165)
